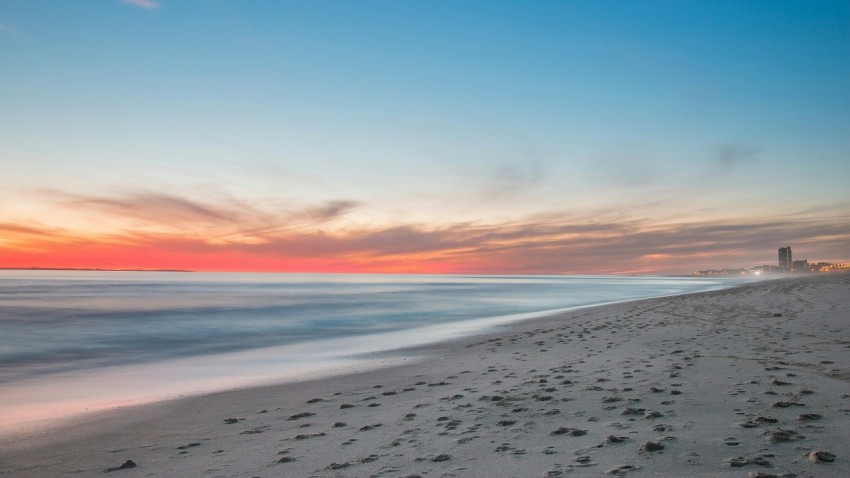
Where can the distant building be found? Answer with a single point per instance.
(786, 264)
(830, 267)
(785, 261)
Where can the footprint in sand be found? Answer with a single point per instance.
(621, 470)
(807, 417)
(650, 447)
(742, 461)
(781, 435)
(124, 466)
(821, 457)
(756, 421)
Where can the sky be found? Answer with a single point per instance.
(546, 137)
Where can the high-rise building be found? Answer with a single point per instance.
(785, 261)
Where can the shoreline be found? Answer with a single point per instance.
(360, 363)
(614, 357)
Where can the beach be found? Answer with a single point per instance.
(748, 381)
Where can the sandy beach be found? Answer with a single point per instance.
(751, 381)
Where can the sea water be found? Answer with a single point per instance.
(74, 341)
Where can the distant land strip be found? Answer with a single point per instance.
(89, 269)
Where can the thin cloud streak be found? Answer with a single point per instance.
(20, 230)
(733, 154)
(508, 180)
(145, 4)
(329, 210)
(157, 207)
(36, 238)
(7, 29)
(227, 234)
(225, 215)
(519, 248)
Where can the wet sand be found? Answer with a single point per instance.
(752, 381)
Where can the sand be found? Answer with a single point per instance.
(751, 381)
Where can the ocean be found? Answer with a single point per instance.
(79, 341)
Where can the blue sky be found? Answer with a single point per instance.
(436, 118)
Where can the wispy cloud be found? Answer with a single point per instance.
(157, 207)
(731, 155)
(219, 215)
(223, 232)
(509, 179)
(146, 4)
(534, 247)
(328, 210)
(35, 237)
(7, 29)
(22, 230)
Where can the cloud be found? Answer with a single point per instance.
(221, 217)
(18, 229)
(275, 236)
(8, 29)
(146, 4)
(507, 180)
(536, 247)
(329, 210)
(158, 208)
(732, 155)
(391, 241)
(35, 238)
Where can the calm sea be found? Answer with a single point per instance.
(73, 341)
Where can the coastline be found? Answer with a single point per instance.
(534, 398)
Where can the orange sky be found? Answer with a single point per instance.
(170, 232)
